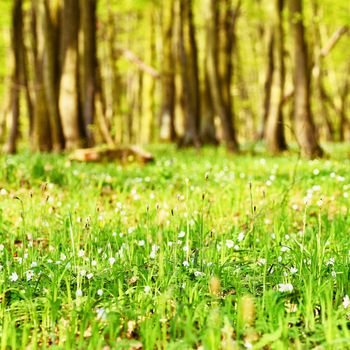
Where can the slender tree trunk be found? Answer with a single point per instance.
(219, 65)
(50, 19)
(304, 125)
(17, 42)
(167, 115)
(69, 86)
(41, 126)
(274, 132)
(88, 25)
(189, 73)
(268, 83)
(344, 107)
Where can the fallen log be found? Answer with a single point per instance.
(124, 154)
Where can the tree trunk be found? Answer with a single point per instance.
(275, 138)
(68, 93)
(41, 125)
(189, 74)
(17, 47)
(219, 65)
(268, 84)
(50, 19)
(88, 25)
(304, 126)
(167, 115)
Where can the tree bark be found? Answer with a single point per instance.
(304, 125)
(275, 138)
(167, 114)
(189, 74)
(17, 47)
(68, 93)
(219, 65)
(41, 125)
(50, 19)
(88, 25)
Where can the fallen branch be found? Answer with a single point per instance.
(124, 154)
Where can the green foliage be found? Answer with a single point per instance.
(195, 250)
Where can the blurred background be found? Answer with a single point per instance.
(81, 73)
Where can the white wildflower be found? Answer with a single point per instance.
(288, 287)
(346, 302)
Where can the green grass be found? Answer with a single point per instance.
(190, 252)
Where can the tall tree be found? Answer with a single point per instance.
(274, 132)
(88, 83)
(189, 74)
(69, 106)
(51, 72)
(304, 125)
(41, 126)
(17, 49)
(220, 41)
(167, 114)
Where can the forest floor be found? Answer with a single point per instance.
(198, 250)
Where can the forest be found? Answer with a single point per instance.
(81, 73)
(174, 174)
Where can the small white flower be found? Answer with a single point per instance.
(279, 259)
(3, 192)
(288, 287)
(89, 276)
(83, 273)
(199, 273)
(81, 253)
(100, 292)
(29, 274)
(147, 289)
(181, 234)
(101, 313)
(34, 264)
(111, 261)
(1, 247)
(93, 263)
(346, 302)
(316, 172)
(261, 261)
(170, 244)
(293, 270)
(284, 249)
(186, 248)
(273, 235)
(248, 345)
(240, 237)
(186, 263)
(229, 243)
(79, 293)
(334, 274)
(153, 254)
(141, 243)
(330, 262)
(63, 257)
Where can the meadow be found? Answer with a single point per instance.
(199, 250)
